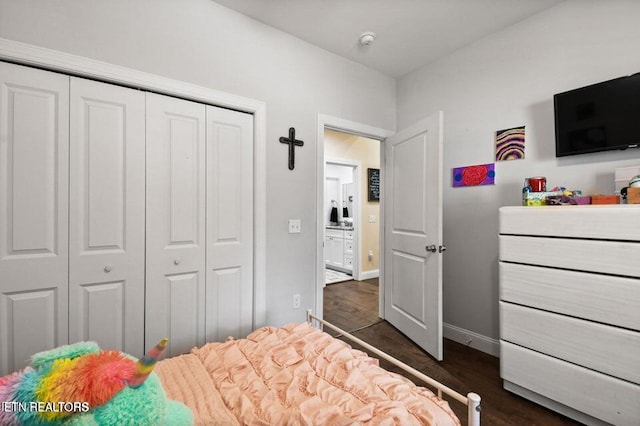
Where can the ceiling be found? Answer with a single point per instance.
(409, 33)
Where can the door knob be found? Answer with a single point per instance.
(431, 248)
(441, 249)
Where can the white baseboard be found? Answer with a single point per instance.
(367, 275)
(472, 339)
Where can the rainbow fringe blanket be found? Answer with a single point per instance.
(80, 384)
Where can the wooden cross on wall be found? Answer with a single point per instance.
(293, 142)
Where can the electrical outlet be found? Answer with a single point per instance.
(294, 226)
(296, 301)
(372, 218)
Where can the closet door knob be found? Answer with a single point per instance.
(177, 261)
(108, 268)
(441, 249)
(431, 248)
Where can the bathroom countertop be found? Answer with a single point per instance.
(345, 228)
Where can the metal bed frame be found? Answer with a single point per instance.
(472, 400)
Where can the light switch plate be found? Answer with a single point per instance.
(372, 218)
(294, 226)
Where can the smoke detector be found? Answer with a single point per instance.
(367, 38)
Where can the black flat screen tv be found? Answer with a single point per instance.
(600, 117)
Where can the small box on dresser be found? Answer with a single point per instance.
(633, 195)
(570, 309)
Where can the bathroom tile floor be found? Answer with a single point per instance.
(332, 276)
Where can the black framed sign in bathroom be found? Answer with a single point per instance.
(373, 179)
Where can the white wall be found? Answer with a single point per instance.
(506, 80)
(201, 42)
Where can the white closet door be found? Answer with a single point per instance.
(107, 213)
(175, 223)
(229, 224)
(34, 149)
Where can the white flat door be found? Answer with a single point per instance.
(34, 167)
(175, 294)
(413, 233)
(229, 193)
(106, 215)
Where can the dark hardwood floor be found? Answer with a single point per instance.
(353, 305)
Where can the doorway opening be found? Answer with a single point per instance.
(350, 216)
(410, 267)
(346, 150)
(352, 231)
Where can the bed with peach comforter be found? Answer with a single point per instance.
(295, 375)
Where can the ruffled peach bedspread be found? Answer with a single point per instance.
(295, 375)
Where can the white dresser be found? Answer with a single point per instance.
(570, 309)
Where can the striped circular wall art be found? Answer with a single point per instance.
(510, 144)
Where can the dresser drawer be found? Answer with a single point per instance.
(604, 397)
(610, 350)
(348, 245)
(608, 222)
(607, 299)
(609, 257)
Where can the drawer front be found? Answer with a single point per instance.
(348, 245)
(602, 298)
(609, 257)
(604, 397)
(610, 350)
(608, 222)
(348, 234)
(336, 233)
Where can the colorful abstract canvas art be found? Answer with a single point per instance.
(510, 144)
(481, 174)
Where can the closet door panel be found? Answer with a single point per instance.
(229, 223)
(184, 322)
(34, 149)
(107, 213)
(104, 301)
(224, 292)
(175, 223)
(32, 307)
